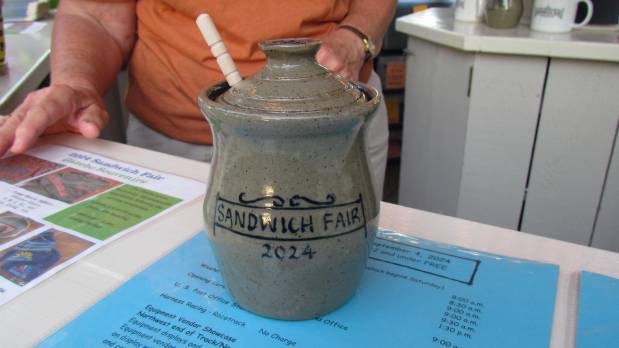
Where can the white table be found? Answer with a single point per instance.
(512, 127)
(40, 311)
(27, 57)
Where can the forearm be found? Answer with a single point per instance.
(91, 41)
(372, 17)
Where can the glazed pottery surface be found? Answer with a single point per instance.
(503, 14)
(290, 210)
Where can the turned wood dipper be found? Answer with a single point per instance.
(213, 39)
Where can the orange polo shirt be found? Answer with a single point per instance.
(171, 63)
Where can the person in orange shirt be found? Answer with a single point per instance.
(169, 63)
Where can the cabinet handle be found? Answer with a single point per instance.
(468, 90)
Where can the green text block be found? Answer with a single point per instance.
(113, 211)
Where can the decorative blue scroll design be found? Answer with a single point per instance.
(296, 200)
(277, 201)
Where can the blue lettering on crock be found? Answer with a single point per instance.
(298, 219)
(342, 219)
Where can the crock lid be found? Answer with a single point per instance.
(293, 82)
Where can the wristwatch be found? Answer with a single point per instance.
(369, 46)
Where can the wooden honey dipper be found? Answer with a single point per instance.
(213, 39)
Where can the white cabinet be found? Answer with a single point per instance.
(577, 129)
(511, 136)
(469, 125)
(605, 233)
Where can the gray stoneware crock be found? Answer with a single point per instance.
(290, 211)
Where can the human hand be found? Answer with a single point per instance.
(343, 53)
(55, 109)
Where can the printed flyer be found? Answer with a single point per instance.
(598, 311)
(58, 204)
(414, 293)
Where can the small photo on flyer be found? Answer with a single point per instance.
(30, 259)
(14, 226)
(69, 185)
(22, 167)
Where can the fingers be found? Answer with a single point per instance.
(38, 113)
(54, 109)
(88, 118)
(91, 121)
(34, 122)
(92, 117)
(336, 62)
(340, 54)
(10, 124)
(327, 58)
(6, 134)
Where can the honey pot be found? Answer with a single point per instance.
(290, 210)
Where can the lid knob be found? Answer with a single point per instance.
(293, 82)
(292, 58)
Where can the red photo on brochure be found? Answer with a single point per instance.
(13, 226)
(18, 168)
(69, 185)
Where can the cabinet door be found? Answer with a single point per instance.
(434, 126)
(506, 93)
(606, 232)
(469, 125)
(573, 148)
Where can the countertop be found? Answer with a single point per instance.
(42, 310)
(439, 26)
(27, 58)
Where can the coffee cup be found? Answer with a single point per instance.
(558, 16)
(470, 10)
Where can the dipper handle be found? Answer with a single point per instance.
(212, 38)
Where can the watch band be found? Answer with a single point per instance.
(370, 48)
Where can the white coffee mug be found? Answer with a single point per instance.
(558, 16)
(470, 10)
